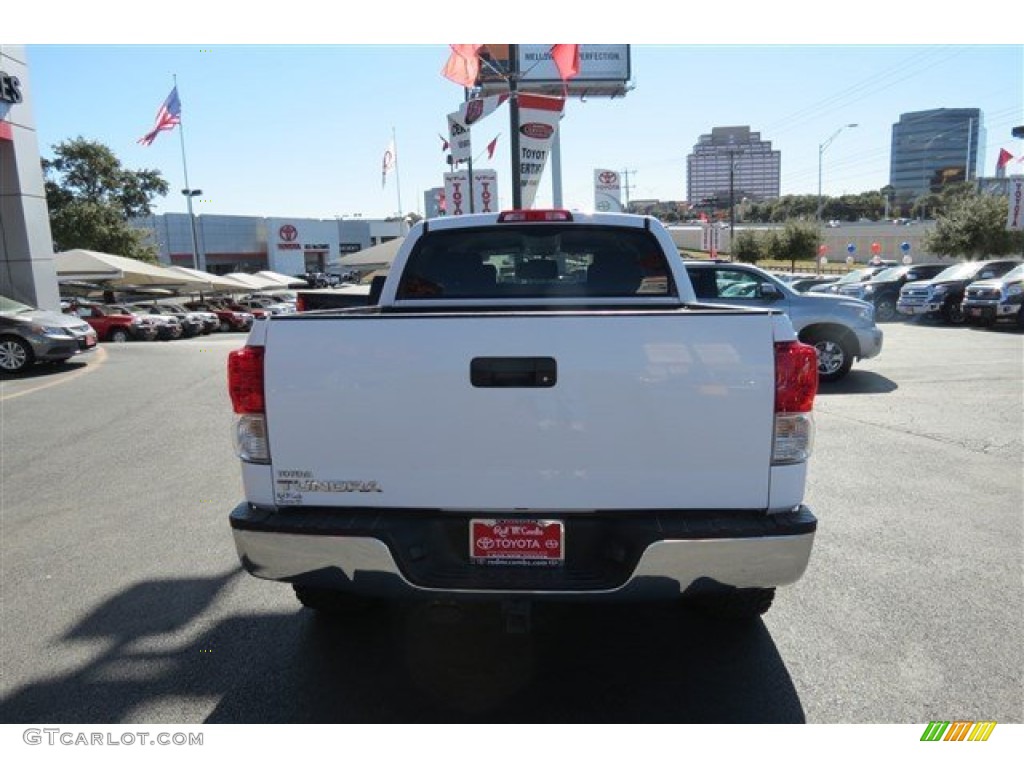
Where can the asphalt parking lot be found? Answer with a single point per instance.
(124, 602)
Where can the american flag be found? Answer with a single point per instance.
(168, 116)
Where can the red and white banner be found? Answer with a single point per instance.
(1015, 216)
(485, 191)
(538, 122)
(456, 193)
(460, 122)
(607, 191)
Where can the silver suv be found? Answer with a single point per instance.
(841, 329)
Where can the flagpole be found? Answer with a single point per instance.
(197, 261)
(398, 183)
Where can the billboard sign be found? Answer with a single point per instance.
(605, 70)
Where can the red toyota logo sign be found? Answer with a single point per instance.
(288, 233)
(608, 177)
(537, 130)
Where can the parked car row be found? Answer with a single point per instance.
(975, 290)
(159, 319)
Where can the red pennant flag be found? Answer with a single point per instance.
(463, 66)
(491, 147)
(1004, 158)
(444, 143)
(567, 59)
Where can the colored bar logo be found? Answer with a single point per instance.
(959, 730)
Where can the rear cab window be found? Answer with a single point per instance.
(542, 261)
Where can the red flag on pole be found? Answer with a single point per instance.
(1004, 158)
(491, 147)
(444, 143)
(463, 66)
(567, 59)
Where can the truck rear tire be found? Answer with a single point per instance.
(736, 605)
(333, 602)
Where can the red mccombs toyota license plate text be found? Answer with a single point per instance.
(516, 542)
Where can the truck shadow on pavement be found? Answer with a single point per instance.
(410, 663)
(858, 383)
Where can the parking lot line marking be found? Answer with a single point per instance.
(100, 355)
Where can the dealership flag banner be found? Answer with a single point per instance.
(1015, 219)
(485, 190)
(460, 122)
(607, 191)
(456, 193)
(538, 122)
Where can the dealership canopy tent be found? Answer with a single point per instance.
(286, 281)
(213, 282)
(376, 256)
(255, 282)
(117, 271)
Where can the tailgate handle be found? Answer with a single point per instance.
(513, 372)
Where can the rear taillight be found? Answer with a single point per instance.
(245, 379)
(796, 383)
(245, 385)
(534, 215)
(300, 303)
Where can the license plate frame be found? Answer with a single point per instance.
(517, 542)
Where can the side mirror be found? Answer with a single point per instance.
(770, 291)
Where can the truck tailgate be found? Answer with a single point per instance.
(668, 409)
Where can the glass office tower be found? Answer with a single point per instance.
(934, 148)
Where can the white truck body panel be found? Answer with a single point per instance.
(635, 421)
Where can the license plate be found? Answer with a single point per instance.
(517, 542)
(975, 312)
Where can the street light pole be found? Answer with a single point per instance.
(821, 151)
(196, 262)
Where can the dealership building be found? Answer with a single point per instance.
(27, 271)
(288, 245)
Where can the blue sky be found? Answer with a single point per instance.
(299, 130)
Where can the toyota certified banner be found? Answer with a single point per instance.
(485, 191)
(456, 193)
(538, 122)
(607, 191)
(460, 122)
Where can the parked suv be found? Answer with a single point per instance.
(883, 289)
(987, 301)
(113, 324)
(839, 328)
(29, 335)
(943, 295)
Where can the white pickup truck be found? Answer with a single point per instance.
(535, 406)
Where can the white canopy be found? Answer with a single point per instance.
(214, 282)
(286, 281)
(255, 282)
(117, 271)
(377, 255)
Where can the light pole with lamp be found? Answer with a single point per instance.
(821, 151)
(197, 263)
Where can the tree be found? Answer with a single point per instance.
(798, 241)
(973, 225)
(91, 197)
(748, 247)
